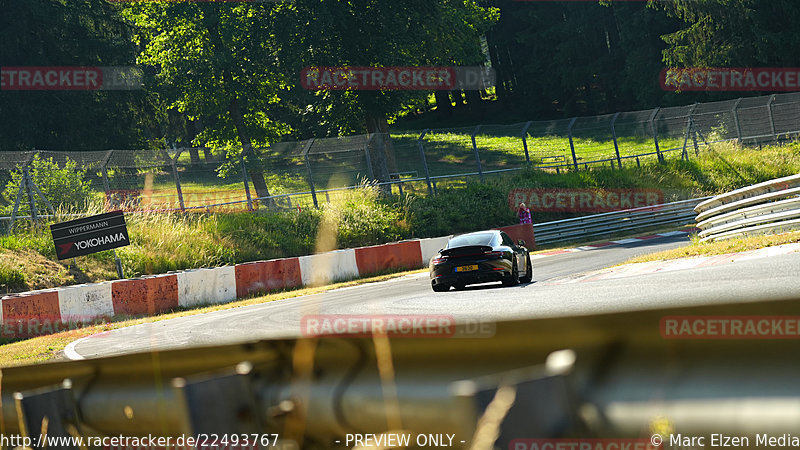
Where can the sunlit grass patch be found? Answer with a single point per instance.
(722, 247)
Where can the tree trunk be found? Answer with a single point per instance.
(473, 100)
(459, 97)
(381, 150)
(197, 128)
(256, 174)
(194, 156)
(443, 105)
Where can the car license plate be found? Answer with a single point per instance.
(466, 268)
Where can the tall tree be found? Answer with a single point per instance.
(733, 33)
(71, 33)
(378, 33)
(216, 61)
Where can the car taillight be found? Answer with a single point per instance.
(440, 259)
(491, 253)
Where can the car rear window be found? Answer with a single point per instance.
(471, 239)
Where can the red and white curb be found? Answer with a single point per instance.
(613, 243)
(38, 312)
(644, 268)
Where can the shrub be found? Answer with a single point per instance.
(11, 278)
(64, 187)
(363, 218)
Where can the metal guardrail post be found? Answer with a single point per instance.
(771, 117)
(424, 161)
(571, 143)
(616, 145)
(173, 162)
(736, 119)
(655, 133)
(245, 178)
(477, 153)
(306, 148)
(525, 141)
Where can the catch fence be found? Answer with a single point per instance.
(308, 173)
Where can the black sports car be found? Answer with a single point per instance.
(480, 257)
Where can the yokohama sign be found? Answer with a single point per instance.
(90, 235)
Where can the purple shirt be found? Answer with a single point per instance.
(524, 215)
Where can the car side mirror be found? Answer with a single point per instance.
(521, 243)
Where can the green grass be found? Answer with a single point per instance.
(723, 247)
(164, 242)
(11, 278)
(448, 152)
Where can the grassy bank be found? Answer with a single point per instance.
(736, 245)
(161, 243)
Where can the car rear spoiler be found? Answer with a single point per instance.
(467, 250)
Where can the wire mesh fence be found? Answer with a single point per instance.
(302, 174)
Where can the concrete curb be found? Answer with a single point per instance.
(33, 313)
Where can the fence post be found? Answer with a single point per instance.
(424, 161)
(655, 133)
(477, 154)
(174, 163)
(41, 195)
(306, 148)
(694, 140)
(689, 126)
(26, 181)
(736, 119)
(571, 143)
(245, 179)
(771, 117)
(22, 187)
(525, 141)
(104, 171)
(370, 171)
(614, 136)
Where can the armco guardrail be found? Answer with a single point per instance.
(676, 213)
(768, 207)
(315, 393)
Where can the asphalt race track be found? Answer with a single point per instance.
(774, 277)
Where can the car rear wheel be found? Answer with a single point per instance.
(512, 279)
(528, 271)
(440, 287)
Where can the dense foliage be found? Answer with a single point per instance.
(228, 72)
(63, 186)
